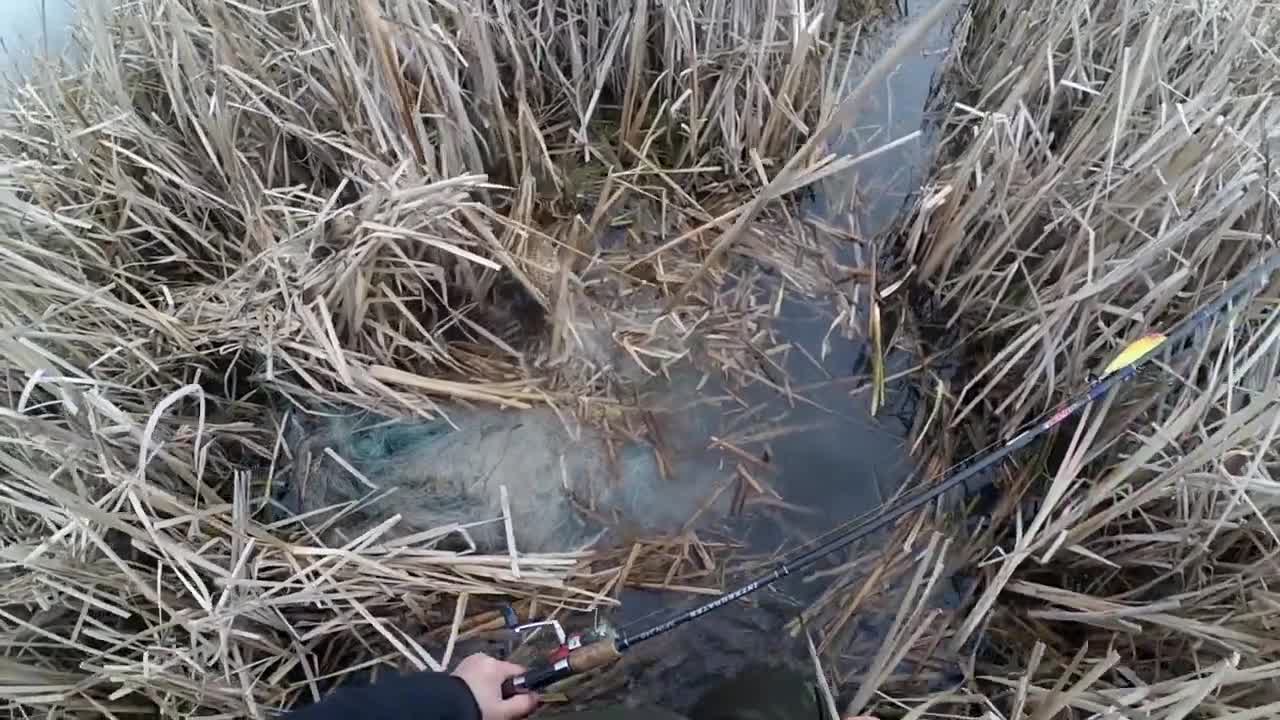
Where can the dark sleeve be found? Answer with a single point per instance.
(421, 696)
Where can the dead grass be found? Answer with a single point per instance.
(1105, 169)
(236, 208)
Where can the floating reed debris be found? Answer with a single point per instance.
(1106, 167)
(237, 213)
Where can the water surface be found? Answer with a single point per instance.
(851, 462)
(31, 28)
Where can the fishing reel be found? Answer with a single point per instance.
(576, 653)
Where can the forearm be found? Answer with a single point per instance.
(420, 696)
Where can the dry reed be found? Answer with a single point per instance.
(236, 208)
(1105, 168)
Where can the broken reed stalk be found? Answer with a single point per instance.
(234, 210)
(1104, 170)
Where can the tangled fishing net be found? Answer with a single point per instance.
(479, 473)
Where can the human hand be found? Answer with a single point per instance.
(484, 676)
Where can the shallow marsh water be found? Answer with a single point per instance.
(32, 27)
(851, 462)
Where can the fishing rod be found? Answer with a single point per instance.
(581, 653)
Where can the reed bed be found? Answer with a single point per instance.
(233, 210)
(1105, 167)
(237, 208)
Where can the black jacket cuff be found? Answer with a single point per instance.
(420, 696)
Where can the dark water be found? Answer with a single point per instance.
(849, 463)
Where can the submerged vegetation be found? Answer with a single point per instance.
(236, 211)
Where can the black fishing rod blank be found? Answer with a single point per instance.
(581, 653)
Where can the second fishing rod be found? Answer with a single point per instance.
(577, 654)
